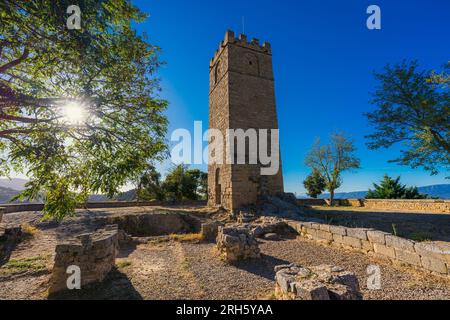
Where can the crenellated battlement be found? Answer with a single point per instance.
(242, 41)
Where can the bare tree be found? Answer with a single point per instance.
(333, 159)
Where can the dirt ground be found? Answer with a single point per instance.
(170, 269)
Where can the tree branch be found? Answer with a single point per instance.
(14, 63)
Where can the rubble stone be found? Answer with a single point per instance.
(324, 282)
(237, 243)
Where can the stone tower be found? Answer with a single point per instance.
(241, 96)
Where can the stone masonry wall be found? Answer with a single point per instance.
(433, 256)
(425, 205)
(94, 253)
(241, 96)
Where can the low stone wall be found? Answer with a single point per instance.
(429, 256)
(94, 253)
(432, 206)
(19, 207)
(425, 205)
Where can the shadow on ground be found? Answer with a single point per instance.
(263, 267)
(116, 286)
(415, 226)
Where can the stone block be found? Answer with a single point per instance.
(434, 249)
(93, 253)
(433, 264)
(324, 235)
(400, 243)
(411, 258)
(236, 243)
(209, 230)
(339, 230)
(322, 282)
(375, 236)
(352, 242)
(338, 238)
(384, 250)
(366, 245)
(311, 290)
(359, 233)
(324, 227)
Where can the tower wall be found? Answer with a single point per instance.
(242, 96)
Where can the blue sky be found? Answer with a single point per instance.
(323, 57)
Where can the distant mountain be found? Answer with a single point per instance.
(6, 194)
(441, 191)
(14, 183)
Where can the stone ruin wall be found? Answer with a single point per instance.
(425, 205)
(241, 97)
(94, 253)
(432, 256)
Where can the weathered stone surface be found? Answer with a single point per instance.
(384, 250)
(209, 230)
(359, 233)
(265, 225)
(400, 243)
(435, 249)
(237, 243)
(322, 282)
(324, 235)
(433, 264)
(375, 236)
(351, 242)
(93, 253)
(338, 230)
(408, 257)
(366, 246)
(272, 236)
(241, 95)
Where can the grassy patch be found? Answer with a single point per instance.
(25, 264)
(189, 237)
(28, 231)
(421, 236)
(123, 264)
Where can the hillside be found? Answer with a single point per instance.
(441, 191)
(6, 194)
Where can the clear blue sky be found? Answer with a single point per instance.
(323, 57)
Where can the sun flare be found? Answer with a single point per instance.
(74, 113)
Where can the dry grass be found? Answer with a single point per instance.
(28, 231)
(188, 237)
(123, 264)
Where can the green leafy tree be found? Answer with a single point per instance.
(149, 185)
(183, 184)
(78, 108)
(315, 184)
(392, 189)
(333, 159)
(413, 108)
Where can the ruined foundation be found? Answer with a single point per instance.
(237, 243)
(94, 253)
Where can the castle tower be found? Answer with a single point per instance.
(241, 96)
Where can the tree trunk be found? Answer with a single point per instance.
(331, 198)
